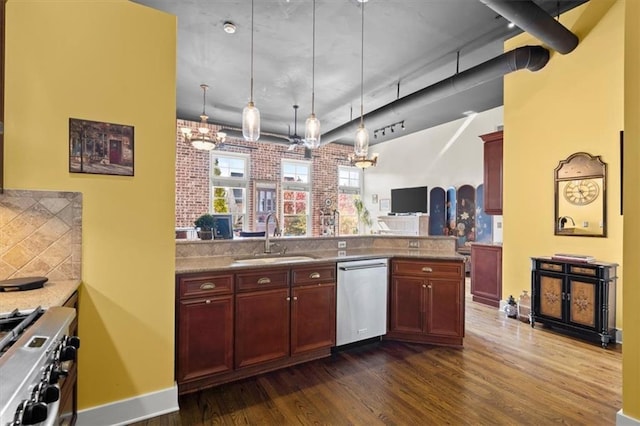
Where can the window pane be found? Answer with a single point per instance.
(293, 172)
(295, 211)
(230, 200)
(348, 214)
(229, 167)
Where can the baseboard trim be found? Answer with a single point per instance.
(619, 336)
(623, 420)
(131, 410)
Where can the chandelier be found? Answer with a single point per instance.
(362, 162)
(202, 138)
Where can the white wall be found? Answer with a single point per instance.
(447, 155)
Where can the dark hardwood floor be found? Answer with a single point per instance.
(506, 374)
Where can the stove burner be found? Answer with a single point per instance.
(12, 326)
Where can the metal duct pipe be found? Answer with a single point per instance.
(537, 22)
(264, 136)
(532, 58)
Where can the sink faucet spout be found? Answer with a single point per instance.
(276, 231)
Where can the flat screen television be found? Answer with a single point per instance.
(410, 200)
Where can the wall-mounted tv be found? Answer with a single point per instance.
(410, 200)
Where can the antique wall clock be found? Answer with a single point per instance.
(581, 192)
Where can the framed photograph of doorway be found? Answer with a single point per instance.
(100, 148)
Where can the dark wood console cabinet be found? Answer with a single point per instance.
(427, 301)
(493, 172)
(576, 297)
(486, 274)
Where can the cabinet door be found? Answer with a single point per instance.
(549, 295)
(313, 317)
(493, 172)
(583, 303)
(486, 274)
(262, 326)
(443, 309)
(407, 305)
(205, 337)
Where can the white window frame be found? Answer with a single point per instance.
(297, 186)
(231, 182)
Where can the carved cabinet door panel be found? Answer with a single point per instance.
(551, 296)
(583, 302)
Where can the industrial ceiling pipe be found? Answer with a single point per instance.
(536, 21)
(532, 58)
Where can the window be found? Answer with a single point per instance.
(229, 181)
(296, 196)
(349, 189)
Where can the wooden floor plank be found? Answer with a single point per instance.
(508, 373)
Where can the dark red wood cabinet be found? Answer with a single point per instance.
(486, 274)
(493, 172)
(427, 301)
(204, 326)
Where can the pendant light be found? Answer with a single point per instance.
(361, 143)
(250, 114)
(202, 139)
(312, 127)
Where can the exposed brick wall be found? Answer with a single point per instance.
(193, 190)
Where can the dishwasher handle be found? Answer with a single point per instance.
(369, 266)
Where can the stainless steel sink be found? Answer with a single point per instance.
(270, 260)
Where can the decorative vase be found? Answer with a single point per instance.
(524, 306)
(511, 308)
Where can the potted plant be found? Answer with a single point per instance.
(364, 218)
(205, 225)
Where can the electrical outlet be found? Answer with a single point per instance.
(585, 224)
(342, 253)
(342, 244)
(414, 244)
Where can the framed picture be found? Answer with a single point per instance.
(385, 204)
(100, 148)
(222, 229)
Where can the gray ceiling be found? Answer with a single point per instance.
(408, 45)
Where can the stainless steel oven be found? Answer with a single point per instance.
(37, 367)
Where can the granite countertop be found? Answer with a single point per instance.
(54, 293)
(220, 263)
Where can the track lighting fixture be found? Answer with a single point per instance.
(391, 127)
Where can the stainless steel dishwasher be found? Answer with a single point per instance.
(361, 300)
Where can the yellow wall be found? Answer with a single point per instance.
(573, 104)
(110, 61)
(631, 293)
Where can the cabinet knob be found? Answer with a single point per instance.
(264, 280)
(429, 286)
(207, 286)
(427, 269)
(424, 286)
(207, 301)
(295, 297)
(288, 298)
(314, 275)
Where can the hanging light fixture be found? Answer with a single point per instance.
(312, 128)
(202, 139)
(361, 143)
(250, 114)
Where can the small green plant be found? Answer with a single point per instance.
(205, 222)
(363, 213)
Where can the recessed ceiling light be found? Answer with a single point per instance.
(511, 25)
(229, 27)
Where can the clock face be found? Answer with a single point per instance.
(581, 192)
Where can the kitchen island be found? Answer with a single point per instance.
(238, 316)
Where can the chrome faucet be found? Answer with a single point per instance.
(276, 231)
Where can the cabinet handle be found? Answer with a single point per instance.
(427, 269)
(568, 296)
(264, 280)
(314, 275)
(563, 295)
(207, 286)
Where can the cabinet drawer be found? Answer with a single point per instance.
(262, 279)
(314, 274)
(548, 266)
(200, 285)
(428, 268)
